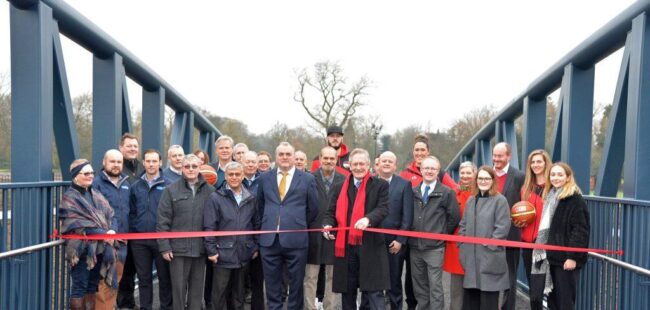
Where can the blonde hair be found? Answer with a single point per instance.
(530, 180)
(570, 187)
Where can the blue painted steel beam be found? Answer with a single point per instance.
(510, 137)
(153, 120)
(126, 107)
(534, 123)
(31, 93)
(484, 151)
(188, 134)
(556, 147)
(65, 131)
(637, 142)
(178, 129)
(613, 154)
(85, 33)
(107, 106)
(577, 115)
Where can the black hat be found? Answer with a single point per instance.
(334, 129)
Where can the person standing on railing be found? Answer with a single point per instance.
(487, 215)
(509, 180)
(85, 211)
(130, 149)
(538, 167)
(412, 174)
(144, 198)
(565, 222)
(451, 263)
(181, 210)
(114, 185)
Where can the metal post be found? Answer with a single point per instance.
(153, 119)
(107, 105)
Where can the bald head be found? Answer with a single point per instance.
(387, 165)
(113, 163)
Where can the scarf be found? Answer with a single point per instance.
(540, 262)
(78, 214)
(358, 211)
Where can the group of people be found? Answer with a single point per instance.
(338, 199)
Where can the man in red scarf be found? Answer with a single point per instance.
(361, 262)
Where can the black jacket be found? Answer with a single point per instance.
(569, 227)
(321, 250)
(400, 215)
(440, 215)
(181, 210)
(512, 192)
(221, 213)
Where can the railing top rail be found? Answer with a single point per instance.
(599, 45)
(628, 201)
(622, 264)
(85, 33)
(29, 249)
(33, 184)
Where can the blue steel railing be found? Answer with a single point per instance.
(23, 275)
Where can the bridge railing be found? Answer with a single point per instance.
(37, 279)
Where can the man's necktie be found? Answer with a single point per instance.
(357, 184)
(425, 196)
(283, 185)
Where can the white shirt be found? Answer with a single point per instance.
(431, 186)
(505, 170)
(290, 174)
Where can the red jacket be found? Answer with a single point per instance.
(451, 263)
(529, 233)
(412, 173)
(342, 164)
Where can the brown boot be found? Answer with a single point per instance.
(89, 301)
(77, 303)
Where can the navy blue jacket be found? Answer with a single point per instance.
(221, 213)
(298, 209)
(143, 203)
(221, 176)
(400, 214)
(170, 176)
(252, 186)
(118, 198)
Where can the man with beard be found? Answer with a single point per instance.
(335, 139)
(133, 168)
(114, 185)
(361, 262)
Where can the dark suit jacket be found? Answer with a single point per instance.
(512, 192)
(321, 250)
(400, 214)
(373, 256)
(298, 209)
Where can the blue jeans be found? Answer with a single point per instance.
(84, 281)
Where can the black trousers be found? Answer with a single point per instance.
(320, 284)
(257, 283)
(145, 254)
(207, 288)
(228, 288)
(510, 295)
(369, 299)
(411, 302)
(565, 282)
(535, 282)
(395, 267)
(125, 297)
(474, 299)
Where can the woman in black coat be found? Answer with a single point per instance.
(565, 222)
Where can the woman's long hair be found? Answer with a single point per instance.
(531, 180)
(570, 187)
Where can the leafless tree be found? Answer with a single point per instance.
(334, 102)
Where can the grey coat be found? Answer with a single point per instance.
(485, 266)
(180, 210)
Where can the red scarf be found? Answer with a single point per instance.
(358, 212)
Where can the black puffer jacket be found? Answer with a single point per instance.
(181, 210)
(569, 227)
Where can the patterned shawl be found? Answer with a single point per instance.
(78, 214)
(540, 263)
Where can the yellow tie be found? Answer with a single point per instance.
(283, 185)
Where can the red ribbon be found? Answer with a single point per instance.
(413, 234)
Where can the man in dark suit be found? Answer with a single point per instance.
(400, 216)
(288, 200)
(361, 258)
(321, 250)
(510, 181)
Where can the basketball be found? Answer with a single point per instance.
(523, 211)
(209, 174)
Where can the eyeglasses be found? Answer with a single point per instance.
(429, 168)
(191, 167)
(484, 179)
(87, 174)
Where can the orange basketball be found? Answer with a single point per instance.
(523, 211)
(209, 174)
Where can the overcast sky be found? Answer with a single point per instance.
(430, 61)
